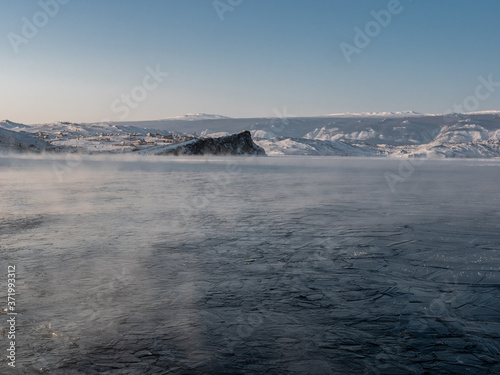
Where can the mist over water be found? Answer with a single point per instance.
(135, 265)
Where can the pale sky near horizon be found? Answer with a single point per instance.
(90, 60)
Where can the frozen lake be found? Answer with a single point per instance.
(251, 265)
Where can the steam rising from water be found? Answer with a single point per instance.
(223, 265)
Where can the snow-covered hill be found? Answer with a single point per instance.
(19, 140)
(97, 137)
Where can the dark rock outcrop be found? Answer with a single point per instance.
(234, 144)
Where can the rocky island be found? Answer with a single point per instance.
(234, 144)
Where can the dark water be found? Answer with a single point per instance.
(252, 266)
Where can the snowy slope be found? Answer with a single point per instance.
(484, 149)
(302, 146)
(465, 132)
(11, 140)
(7, 124)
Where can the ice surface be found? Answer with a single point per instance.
(148, 265)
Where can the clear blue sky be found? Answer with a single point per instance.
(264, 55)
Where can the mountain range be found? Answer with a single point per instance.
(395, 134)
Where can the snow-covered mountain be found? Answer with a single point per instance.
(396, 134)
(302, 146)
(196, 117)
(377, 114)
